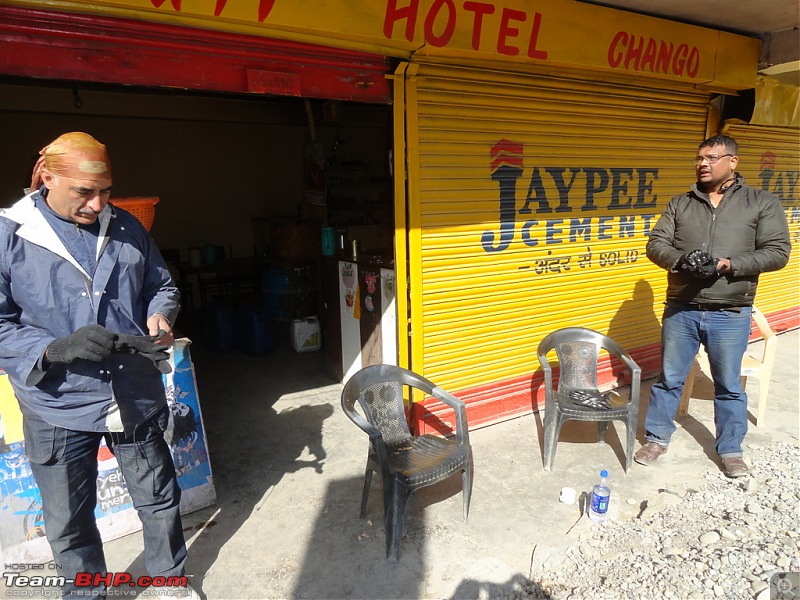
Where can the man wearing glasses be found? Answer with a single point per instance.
(713, 241)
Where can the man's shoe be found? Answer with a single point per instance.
(735, 467)
(649, 453)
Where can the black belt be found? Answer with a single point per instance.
(730, 307)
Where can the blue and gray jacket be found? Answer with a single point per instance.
(46, 294)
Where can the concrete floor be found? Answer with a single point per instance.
(288, 468)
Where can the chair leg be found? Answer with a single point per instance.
(551, 428)
(557, 431)
(763, 390)
(630, 434)
(688, 387)
(466, 485)
(395, 513)
(365, 492)
(602, 427)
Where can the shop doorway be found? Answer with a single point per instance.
(241, 211)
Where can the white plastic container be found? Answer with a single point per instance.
(306, 336)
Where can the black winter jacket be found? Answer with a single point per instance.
(748, 226)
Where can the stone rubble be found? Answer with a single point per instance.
(724, 540)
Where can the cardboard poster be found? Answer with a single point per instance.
(22, 532)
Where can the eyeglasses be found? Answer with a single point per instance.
(712, 159)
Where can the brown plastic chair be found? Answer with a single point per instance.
(578, 350)
(758, 366)
(405, 462)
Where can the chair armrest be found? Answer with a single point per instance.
(375, 438)
(620, 352)
(629, 362)
(770, 350)
(363, 424)
(548, 378)
(767, 334)
(458, 406)
(634, 368)
(767, 352)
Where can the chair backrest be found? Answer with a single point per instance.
(378, 389)
(578, 350)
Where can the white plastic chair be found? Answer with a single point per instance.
(757, 366)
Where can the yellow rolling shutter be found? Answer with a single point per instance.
(769, 158)
(529, 199)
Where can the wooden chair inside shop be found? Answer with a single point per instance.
(577, 396)
(405, 462)
(756, 363)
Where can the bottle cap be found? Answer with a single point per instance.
(603, 473)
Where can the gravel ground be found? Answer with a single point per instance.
(726, 539)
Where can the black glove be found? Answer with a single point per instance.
(90, 342)
(144, 345)
(699, 263)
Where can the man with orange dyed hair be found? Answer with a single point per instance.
(86, 311)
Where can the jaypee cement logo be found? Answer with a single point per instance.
(561, 202)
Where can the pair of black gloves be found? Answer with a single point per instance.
(95, 342)
(699, 263)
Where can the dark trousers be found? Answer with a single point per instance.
(64, 464)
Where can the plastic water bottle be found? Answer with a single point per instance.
(601, 494)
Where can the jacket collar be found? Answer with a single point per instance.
(738, 181)
(34, 228)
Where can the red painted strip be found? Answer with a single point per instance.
(785, 320)
(502, 400)
(78, 47)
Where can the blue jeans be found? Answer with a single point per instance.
(64, 464)
(724, 334)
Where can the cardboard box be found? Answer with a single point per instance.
(22, 531)
(306, 336)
